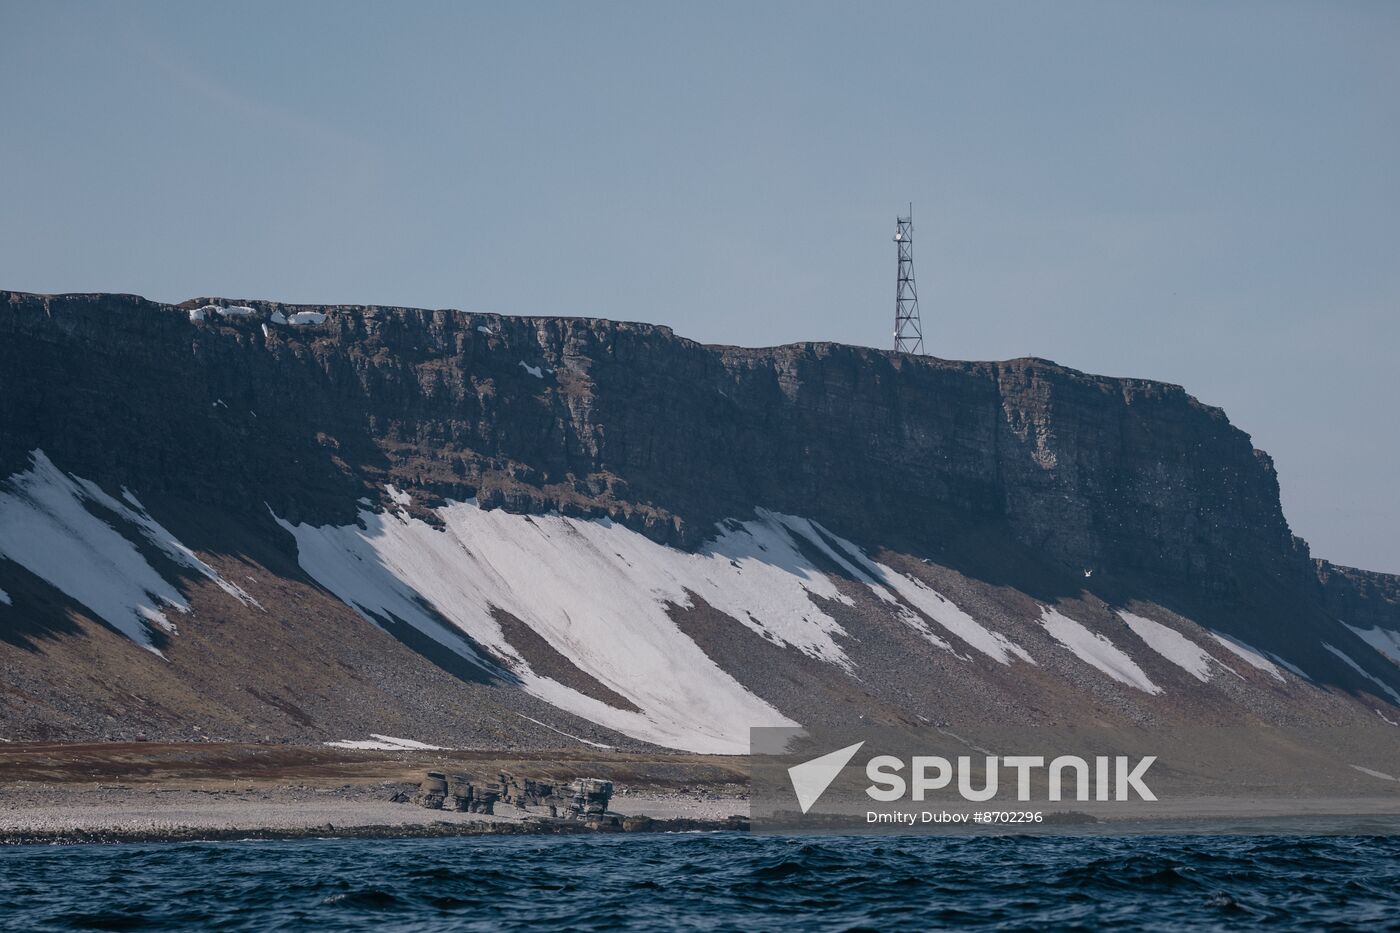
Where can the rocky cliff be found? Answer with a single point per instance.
(1023, 480)
(1362, 597)
(669, 436)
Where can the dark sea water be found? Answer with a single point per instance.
(709, 882)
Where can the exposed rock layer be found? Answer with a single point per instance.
(1008, 487)
(629, 420)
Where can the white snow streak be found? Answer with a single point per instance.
(1383, 640)
(565, 734)
(532, 370)
(932, 604)
(386, 743)
(1172, 645)
(236, 311)
(598, 593)
(1376, 774)
(1095, 650)
(5, 598)
(167, 542)
(882, 579)
(278, 317)
(1249, 655)
(1363, 672)
(47, 527)
(306, 317)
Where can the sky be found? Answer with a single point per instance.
(1202, 193)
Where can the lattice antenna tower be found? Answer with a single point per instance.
(908, 331)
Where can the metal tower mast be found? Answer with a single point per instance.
(908, 332)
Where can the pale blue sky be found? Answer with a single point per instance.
(1205, 193)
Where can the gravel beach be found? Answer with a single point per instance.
(207, 791)
(33, 813)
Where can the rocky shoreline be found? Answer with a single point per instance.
(534, 827)
(49, 815)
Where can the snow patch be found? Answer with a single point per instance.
(483, 329)
(1095, 650)
(398, 496)
(1383, 640)
(5, 599)
(1376, 774)
(306, 317)
(278, 317)
(599, 594)
(267, 332)
(387, 743)
(953, 619)
(1172, 645)
(239, 311)
(47, 526)
(565, 734)
(156, 534)
(903, 591)
(1249, 655)
(1363, 672)
(809, 531)
(1290, 667)
(197, 314)
(532, 370)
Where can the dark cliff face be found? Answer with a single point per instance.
(1361, 597)
(628, 420)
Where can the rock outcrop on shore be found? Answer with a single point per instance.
(482, 530)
